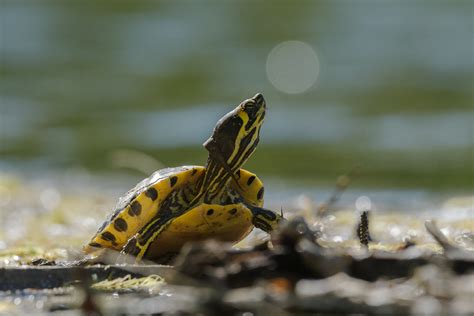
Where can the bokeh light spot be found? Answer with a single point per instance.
(363, 203)
(292, 67)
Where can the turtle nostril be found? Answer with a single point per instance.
(259, 100)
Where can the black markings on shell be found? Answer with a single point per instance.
(250, 180)
(210, 211)
(135, 208)
(260, 193)
(233, 211)
(194, 172)
(95, 244)
(120, 225)
(173, 180)
(108, 236)
(151, 193)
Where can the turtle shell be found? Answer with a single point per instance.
(139, 205)
(142, 203)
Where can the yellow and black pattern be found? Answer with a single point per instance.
(230, 223)
(250, 187)
(144, 204)
(249, 190)
(133, 221)
(176, 205)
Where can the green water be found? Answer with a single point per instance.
(82, 80)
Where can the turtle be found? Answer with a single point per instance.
(175, 205)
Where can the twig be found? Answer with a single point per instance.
(342, 183)
(438, 235)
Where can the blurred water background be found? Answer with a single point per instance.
(120, 89)
(95, 95)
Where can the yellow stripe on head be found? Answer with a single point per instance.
(233, 140)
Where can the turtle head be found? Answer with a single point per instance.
(236, 135)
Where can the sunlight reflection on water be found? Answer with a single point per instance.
(191, 126)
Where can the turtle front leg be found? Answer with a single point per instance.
(265, 219)
(133, 247)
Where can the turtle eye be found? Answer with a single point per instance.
(254, 107)
(251, 108)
